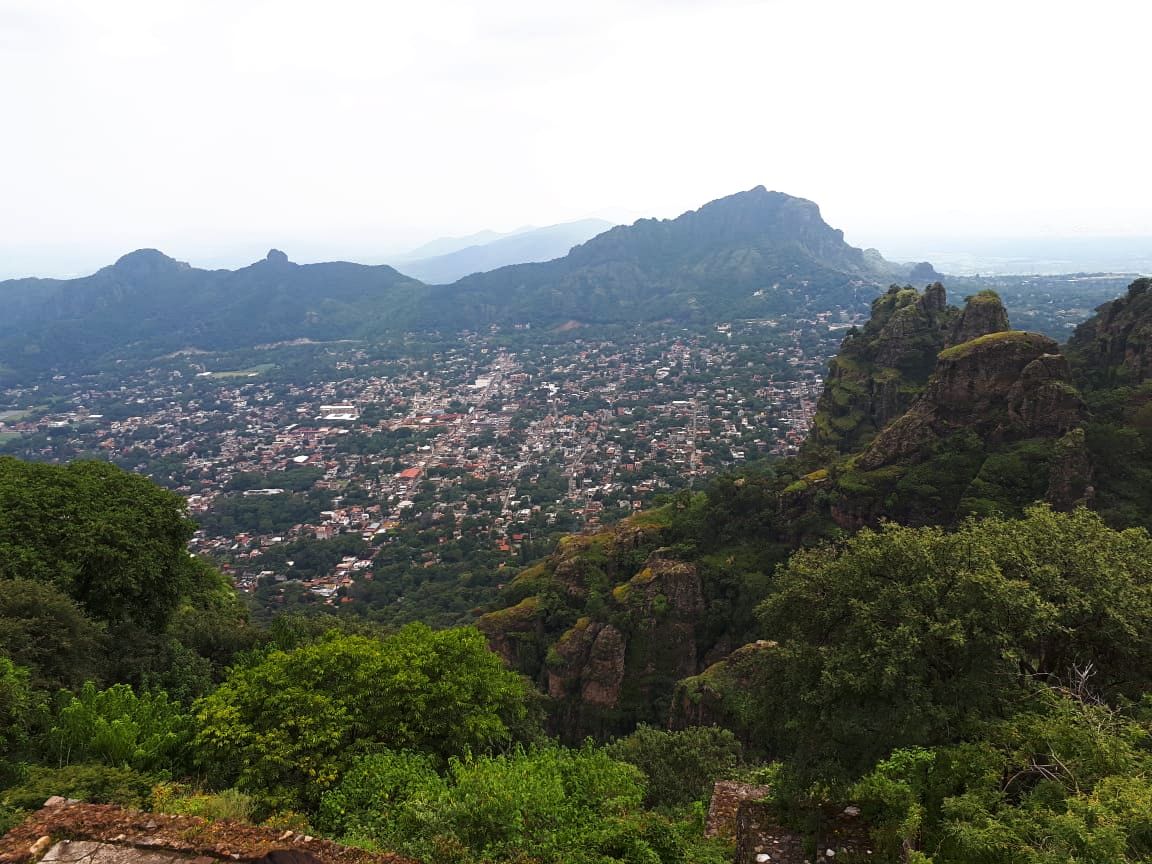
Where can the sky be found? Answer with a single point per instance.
(216, 129)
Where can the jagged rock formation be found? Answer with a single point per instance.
(880, 370)
(1114, 347)
(983, 313)
(1071, 472)
(1003, 385)
(1111, 358)
(606, 626)
(713, 696)
(588, 663)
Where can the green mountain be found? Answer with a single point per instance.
(148, 302)
(752, 254)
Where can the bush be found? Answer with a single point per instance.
(10, 817)
(549, 804)
(680, 766)
(118, 727)
(96, 784)
(285, 727)
(184, 801)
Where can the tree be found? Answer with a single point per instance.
(1064, 779)
(286, 725)
(547, 804)
(46, 632)
(912, 636)
(112, 541)
(680, 766)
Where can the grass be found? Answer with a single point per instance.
(956, 352)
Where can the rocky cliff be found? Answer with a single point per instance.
(881, 369)
(1114, 347)
(605, 625)
(1001, 386)
(610, 622)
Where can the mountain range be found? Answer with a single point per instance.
(751, 254)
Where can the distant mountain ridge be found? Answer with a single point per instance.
(752, 254)
(493, 250)
(149, 302)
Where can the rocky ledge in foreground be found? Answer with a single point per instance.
(102, 832)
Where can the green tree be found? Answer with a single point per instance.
(112, 541)
(911, 636)
(547, 804)
(1064, 779)
(285, 726)
(45, 631)
(680, 766)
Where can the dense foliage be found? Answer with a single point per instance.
(112, 541)
(547, 804)
(912, 636)
(286, 725)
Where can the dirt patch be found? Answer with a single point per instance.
(190, 835)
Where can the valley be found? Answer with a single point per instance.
(401, 485)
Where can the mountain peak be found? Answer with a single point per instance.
(275, 256)
(143, 256)
(146, 262)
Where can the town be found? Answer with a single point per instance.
(405, 482)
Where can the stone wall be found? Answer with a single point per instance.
(738, 812)
(727, 796)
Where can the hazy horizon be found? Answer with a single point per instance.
(214, 131)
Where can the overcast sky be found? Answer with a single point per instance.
(214, 130)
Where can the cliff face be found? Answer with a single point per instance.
(1114, 347)
(881, 370)
(1001, 386)
(606, 626)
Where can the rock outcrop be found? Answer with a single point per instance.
(606, 626)
(880, 368)
(1114, 347)
(1001, 386)
(587, 663)
(983, 313)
